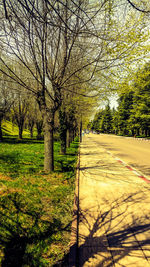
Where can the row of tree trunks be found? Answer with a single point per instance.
(66, 139)
(67, 127)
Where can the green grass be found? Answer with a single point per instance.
(35, 208)
(8, 129)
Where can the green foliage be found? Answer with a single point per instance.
(124, 111)
(8, 128)
(140, 118)
(107, 120)
(95, 124)
(35, 208)
(103, 121)
(133, 114)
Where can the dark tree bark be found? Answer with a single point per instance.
(138, 8)
(1, 135)
(39, 127)
(48, 141)
(31, 127)
(20, 129)
(63, 130)
(81, 131)
(67, 139)
(20, 109)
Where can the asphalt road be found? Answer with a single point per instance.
(134, 151)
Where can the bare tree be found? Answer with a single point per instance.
(6, 100)
(143, 6)
(32, 114)
(20, 109)
(57, 41)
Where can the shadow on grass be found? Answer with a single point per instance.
(66, 165)
(16, 140)
(13, 164)
(24, 232)
(75, 144)
(12, 158)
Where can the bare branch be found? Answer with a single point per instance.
(137, 8)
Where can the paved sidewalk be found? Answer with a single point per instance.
(114, 211)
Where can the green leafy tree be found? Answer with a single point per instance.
(103, 121)
(140, 115)
(107, 120)
(115, 128)
(124, 111)
(95, 125)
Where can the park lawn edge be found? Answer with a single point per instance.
(37, 206)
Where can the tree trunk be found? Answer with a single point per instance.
(1, 135)
(138, 132)
(146, 132)
(70, 136)
(39, 127)
(68, 139)
(31, 132)
(73, 135)
(63, 143)
(48, 142)
(31, 126)
(20, 131)
(132, 132)
(63, 130)
(81, 131)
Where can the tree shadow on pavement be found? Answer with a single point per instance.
(143, 168)
(91, 153)
(114, 234)
(107, 146)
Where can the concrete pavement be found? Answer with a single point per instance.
(113, 227)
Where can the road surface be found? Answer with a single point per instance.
(134, 151)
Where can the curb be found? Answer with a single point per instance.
(134, 171)
(130, 168)
(73, 254)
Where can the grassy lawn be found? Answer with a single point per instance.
(10, 129)
(35, 208)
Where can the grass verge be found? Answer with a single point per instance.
(35, 209)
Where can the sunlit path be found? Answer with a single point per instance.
(114, 220)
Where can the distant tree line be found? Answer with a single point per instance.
(132, 116)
